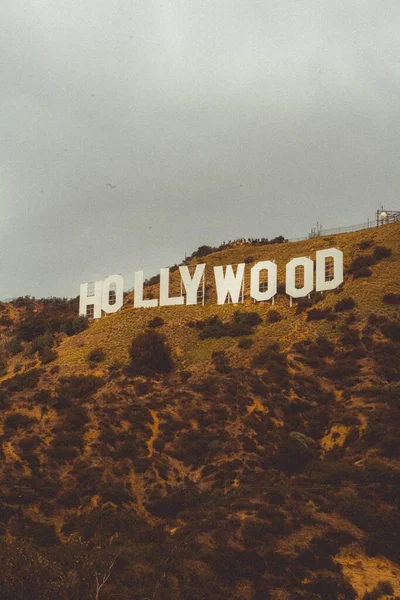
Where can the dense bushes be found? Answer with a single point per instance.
(157, 321)
(79, 386)
(97, 355)
(32, 327)
(362, 272)
(221, 361)
(391, 298)
(275, 364)
(27, 380)
(316, 314)
(344, 304)
(17, 420)
(274, 316)
(47, 355)
(245, 343)
(241, 324)
(391, 331)
(383, 588)
(150, 354)
(294, 453)
(360, 267)
(380, 252)
(15, 346)
(53, 315)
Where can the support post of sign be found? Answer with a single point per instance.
(273, 297)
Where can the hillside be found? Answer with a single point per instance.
(264, 465)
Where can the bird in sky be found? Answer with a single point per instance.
(110, 185)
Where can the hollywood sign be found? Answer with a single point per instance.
(107, 296)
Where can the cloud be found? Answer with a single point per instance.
(215, 120)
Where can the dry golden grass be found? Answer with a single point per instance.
(114, 333)
(365, 572)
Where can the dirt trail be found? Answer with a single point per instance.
(155, 428)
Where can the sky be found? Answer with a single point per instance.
(134, 131)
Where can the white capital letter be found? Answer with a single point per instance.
(229, 283)
(118, 282)
(94, 299)
(165, 300)
(192, 284)
(308, 283)
(321, 282)
(138, 296)
(272, 270)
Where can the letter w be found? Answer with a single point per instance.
(229, 283)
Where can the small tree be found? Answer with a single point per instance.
(102, 578)
(80, 324)
(150, 353)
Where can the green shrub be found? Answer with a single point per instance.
(157, 321)
(275, 364)
(365, 244)
(32, 327)
(316, 314)
(391, 331)
(150, 353)
(80, 324)
(344, 304)
(28, 444)
(3, 367)
(97, 355)
(27, 380)
(274, 316)
(15, 346)
(363, 272)
(6, 321)
(381, 252)
(4, 400)
(75, 419)
(242, 323)
(17, 420)
(114, 491)
(221, 361)
(245, 343)
(68, 438)
(47, 355)
(294, 453)
(362, 262)
(212, 328)
(42, 342)
(64, 453)
(79, 386)
(391, 298)
(70, 498)
(324, 346)
(350, 337)
(330, 587)
(42, 397)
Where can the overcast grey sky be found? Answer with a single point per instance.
(214, 119)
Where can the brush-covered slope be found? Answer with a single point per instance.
(264, 464)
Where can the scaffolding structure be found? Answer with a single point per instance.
(383, 217)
